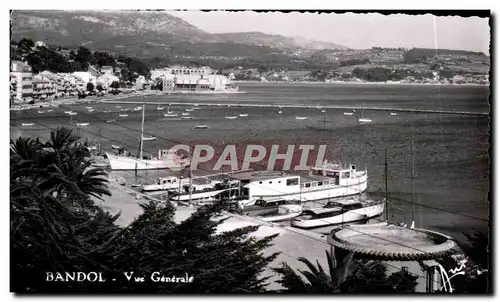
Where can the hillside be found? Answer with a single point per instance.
(276, 41)
(150, 34)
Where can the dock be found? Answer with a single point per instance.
(291, 243)
(278, 106)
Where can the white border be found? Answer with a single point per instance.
(214, 4)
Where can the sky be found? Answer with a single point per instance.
(357, 31)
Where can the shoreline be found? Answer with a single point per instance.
(359, 83)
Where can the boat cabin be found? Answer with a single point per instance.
(344, 205)
(167, 180)
(333, 174)
(320, 213)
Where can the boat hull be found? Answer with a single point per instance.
(324, 193)
(350, 216)
(130, 163)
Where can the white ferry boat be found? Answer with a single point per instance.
(393, 113)
(326, 181)
(348, 113)
(338, 212)
(231, 117)
(82, 124)
(243, 114)
(301, 118)
(170, 114)
(27, 124)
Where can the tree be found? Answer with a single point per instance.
(348, 276)
(57, 227)
(90, 87)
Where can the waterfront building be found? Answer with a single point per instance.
(21, 79)
(44, 87)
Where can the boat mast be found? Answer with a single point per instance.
(142, 130)
(99, 142)
(386, 190)
(412, 183)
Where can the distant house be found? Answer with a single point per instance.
(107, 70)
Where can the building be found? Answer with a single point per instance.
(21, 79)
(107, 70)
(192, 79)
(44, 88)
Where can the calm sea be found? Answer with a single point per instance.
(451, 160)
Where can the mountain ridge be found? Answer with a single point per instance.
(146, 32)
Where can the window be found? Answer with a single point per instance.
(307, 185)
(292, 181)
(260, 182)
(320, 183)
(270, 182)
(279, 181)
(346, 175)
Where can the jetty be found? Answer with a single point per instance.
(279, 106)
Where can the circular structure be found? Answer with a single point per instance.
(391, 242)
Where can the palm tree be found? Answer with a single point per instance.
(347, 277)
(317, 280)
(60, 166)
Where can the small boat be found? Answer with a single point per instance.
(185, 113)
(338, 212)
(394, 113)
(139, 108)
(27, 124)
(148, 138)
(170, 114)
(187, 117)
(274, 210)
(72, 113)
(280, 112)
(118, 107)
(107, 111)
(348, 113)
(323, 111)
(201, 127)
(116, 147)
(82, 124)
(88, 107)
(301, 117)
(190, 110)
(111, 121)
(231, 117)
(91, 110)
(365, 120)
(50, 110)
(243, 115)
(67, 112)
(160, 108)
(122, 115)
(40, 112)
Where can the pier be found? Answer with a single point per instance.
(278, 106)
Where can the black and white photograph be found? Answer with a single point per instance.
(208, 152)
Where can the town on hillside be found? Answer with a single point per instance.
(42, 72)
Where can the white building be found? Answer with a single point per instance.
(21, 80)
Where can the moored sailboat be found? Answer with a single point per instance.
(167, 159)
